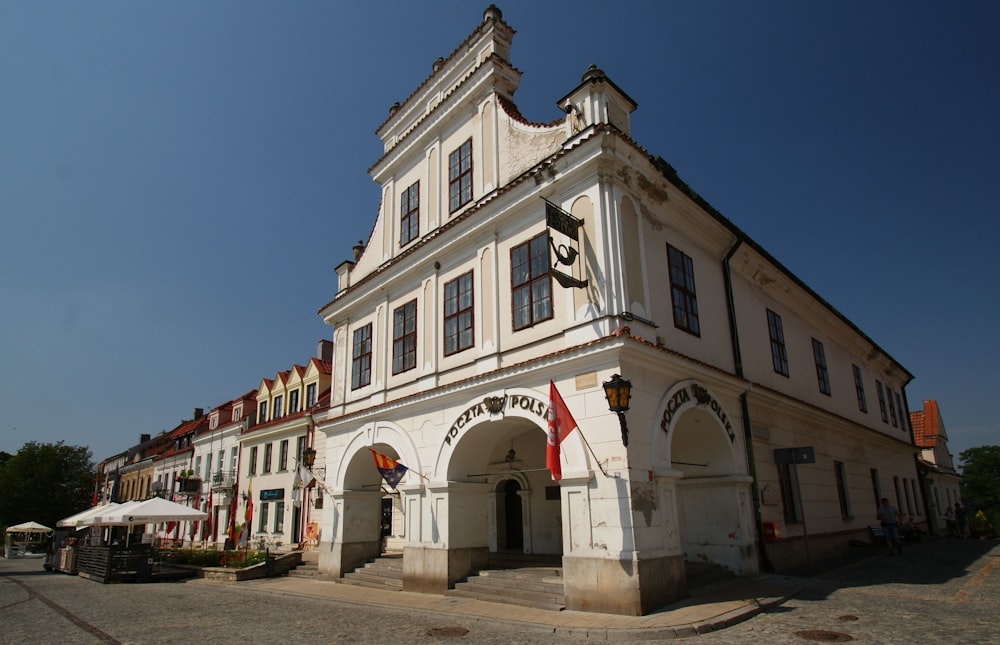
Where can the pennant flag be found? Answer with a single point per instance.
(247, 515)
(209, 528)
(392, 471)
(305, 476)
(561, 423)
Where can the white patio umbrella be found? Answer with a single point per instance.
(148, 512)
(84, 518)
(29, 527)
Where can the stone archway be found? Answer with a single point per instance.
(712, 490)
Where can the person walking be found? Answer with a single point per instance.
(960, 519)
(888, 515)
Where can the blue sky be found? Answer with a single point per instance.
(178, 180)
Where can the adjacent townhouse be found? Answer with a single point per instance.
(573, 354)
(216, 462)
(940, 482)
(283, 512)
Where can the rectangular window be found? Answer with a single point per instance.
(881, 400)
(916, 498)
(404, 337)
(409, 214)
(262, 525)
(892, 407)
(899, 494)
(458, 300)
(279, 517)
(310, 395)
(237, 413)
(262, 416)
(682, 291)
(822, 374)
(234, 458)
(859, 389)
(300, 445)
(904, 416)
(276, 412)
(293, 402)
(252, 468)
(361, 362)
(842, 492)
(460, 177)
(909, 500)
(221, 463)
(779, 357)
(791, 500)
(876, 487)
(531, 284)
(283, 455)
(197, 466)
(268, 449)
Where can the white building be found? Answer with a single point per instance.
(941, 482)
(508, 254)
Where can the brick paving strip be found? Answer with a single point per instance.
(62, 611)
(977, 580)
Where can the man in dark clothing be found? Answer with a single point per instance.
(889, 516)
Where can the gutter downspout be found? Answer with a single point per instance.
(763, 560)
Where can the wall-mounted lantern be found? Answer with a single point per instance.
(618, 392)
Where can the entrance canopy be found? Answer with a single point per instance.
(148, 512)
(29, 527)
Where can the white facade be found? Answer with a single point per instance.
(447, 333)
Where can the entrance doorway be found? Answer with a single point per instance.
(510, 517)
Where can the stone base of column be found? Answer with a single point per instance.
(626, 587)
(339, 558)
(437, 570)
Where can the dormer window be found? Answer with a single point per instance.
(237, 413)
(460, 177)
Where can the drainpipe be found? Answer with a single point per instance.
(763, 560)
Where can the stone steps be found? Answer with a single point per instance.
(532, 586)
(382, 573)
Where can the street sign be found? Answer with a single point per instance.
(785, 456)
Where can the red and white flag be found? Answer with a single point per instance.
(561, 423)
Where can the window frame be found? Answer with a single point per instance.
(843, 491)
(252, 466)
(460, 176)
(892, 406)
(822, 373)
(880, 390)
(779, 352)
(409, 214)
(859, 389)
(283, 456)
(361, 357)
(293, 401)
(461, 318)
(791, 493)
(535, 278)
(683, 294)
(404, 337)
(268, 454)
(311, 395)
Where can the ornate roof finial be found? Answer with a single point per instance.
(492, 13)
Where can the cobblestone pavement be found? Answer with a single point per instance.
(946, 591)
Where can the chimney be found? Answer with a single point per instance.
(143, 438)
(199, 413)
(324, 350)
(359, 248)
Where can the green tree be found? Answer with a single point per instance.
(45, 482)
(981, 481)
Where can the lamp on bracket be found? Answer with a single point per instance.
(618, 391)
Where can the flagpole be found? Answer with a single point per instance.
(596, 460)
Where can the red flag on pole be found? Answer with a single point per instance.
(561, 423)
